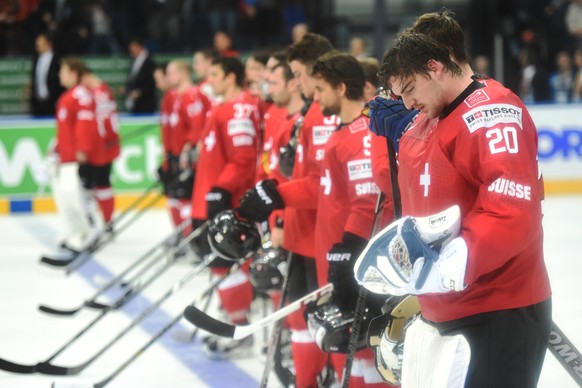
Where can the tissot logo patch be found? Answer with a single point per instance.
(488, 116)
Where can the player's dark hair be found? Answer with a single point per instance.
(161, 66)
(287, 72)
(337, 68)
(309, 48)
(76, 65)
(410, 54)
(261, 56)
(231, 65)
(444, 28)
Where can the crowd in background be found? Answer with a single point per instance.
(543, 41)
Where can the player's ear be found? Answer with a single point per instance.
(434, 66)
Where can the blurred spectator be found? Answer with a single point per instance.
(73, 19)
(267, 20)
(578, 77)
(358, 48)
(534, 84)
(222, 15)
(481, 65)
(102, 40)
(140, 90)
(293, 15)
(574, 21)
(298, 31)
(8, 26)
(223, 44)
(45, 84)
(164, 25)
(562, 80)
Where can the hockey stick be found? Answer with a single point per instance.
(84, 255)
(47, 367)
(119, 279)
(360, 306)
(278, 328)
(27, 369)
(566, 353)
(205, 294)
(214, 326)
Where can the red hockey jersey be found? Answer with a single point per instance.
(300, 193)
(347, 192)
(77, 127)
(483, 157)
(187, 119)
(107, 120)
(228, 156)
(271, 121)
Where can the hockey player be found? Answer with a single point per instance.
(201, 63)
(185, 123)
(488, 290)
(226, 169)
(108, 129)
(300, 212)
(77, 145)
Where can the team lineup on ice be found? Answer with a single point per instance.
(335, 222)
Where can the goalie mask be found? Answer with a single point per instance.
(232, 238)
(389, 257)
(331, 328)
(268, 269)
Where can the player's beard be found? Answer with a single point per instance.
(330, 110)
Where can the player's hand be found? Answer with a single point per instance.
(341, 259)
(258, 203)
(217, 200)
(390, 118)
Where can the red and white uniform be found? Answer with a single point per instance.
(107, 119)
(187, 119)
(300, 193)
(77, 127)
(483, 157)
(228, 159)
(347, 192)
(165, 112)
(346, 203)
(228, 156)
(271, 121)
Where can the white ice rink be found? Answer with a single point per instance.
(28, 336)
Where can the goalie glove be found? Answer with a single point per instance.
(390, 118)
(258, 203)
(341, 258)
(415, 256)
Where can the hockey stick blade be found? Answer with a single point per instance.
(47, 368)
(211, 325)
(56, 311)
(57, 262)
(13, 367)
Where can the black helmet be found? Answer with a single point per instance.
(232, 238)
(331, 328)
(269, 268)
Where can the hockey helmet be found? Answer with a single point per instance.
(232, 238)
(331, 328)
(269, 268)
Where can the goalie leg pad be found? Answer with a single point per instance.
(68, 196)
(433, 360)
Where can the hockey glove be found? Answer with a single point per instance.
(258, 203)
(390, 118)
(217, 200)
(341, 258)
